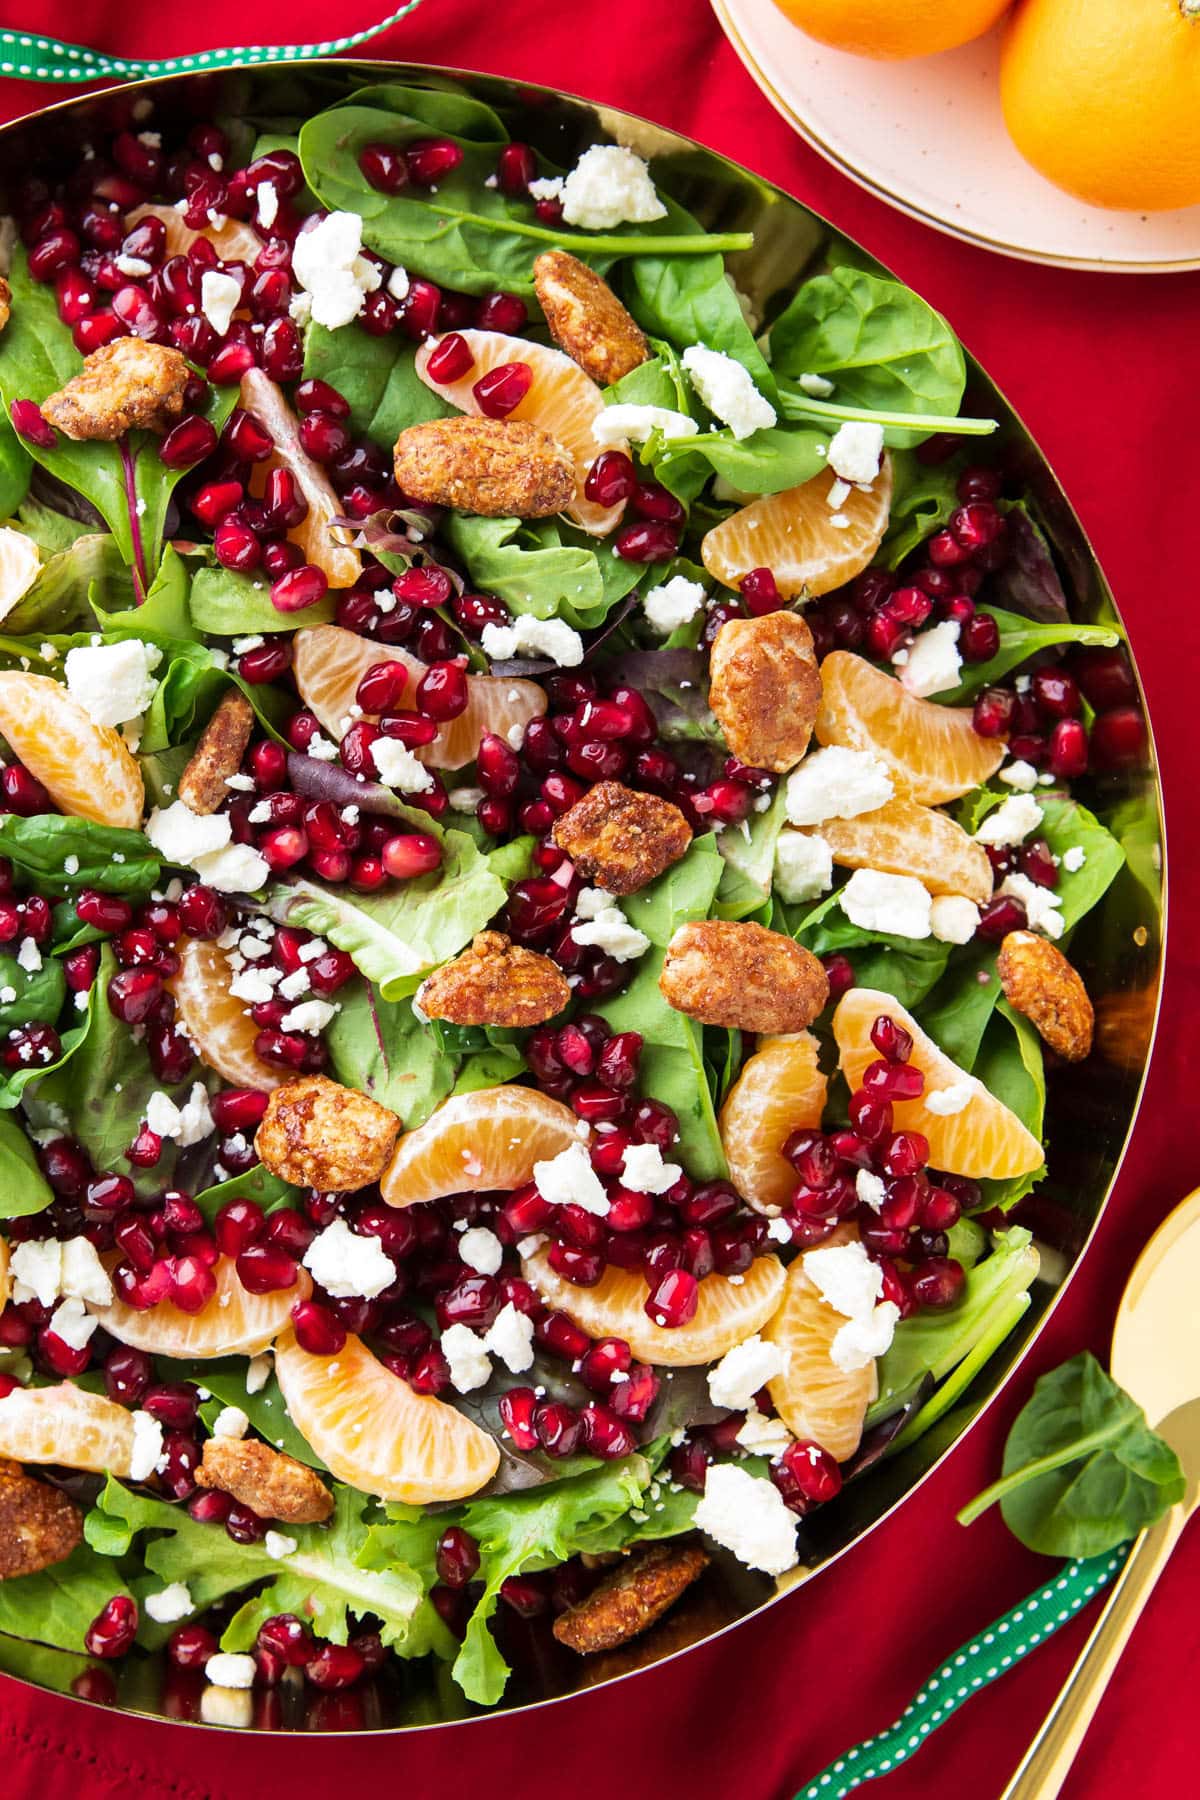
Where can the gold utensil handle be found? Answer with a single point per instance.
(1048, 1760)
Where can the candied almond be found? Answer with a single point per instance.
(621, 839)
(586, 319)
(203, 785)
(39, 1526)
(317, 1133)
(498, 468)
(1039, 981)
(273, 1485)
(740, 975)
(495, 982)
(765, 688)
(632, 1598)
(130, 382)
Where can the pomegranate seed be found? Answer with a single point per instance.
(559, 1428)
(517, 1408)
(188, 442)
(450, 359)
(633, 1399)
(193, 1284)
(421, 307)
(560, 1335)
(29, 424)
(979, 638)
(673, 1300)
(298, 588)
(905, 1154)
(812, 1470)
(648, 541)
(442, 691)
(324, 437)
(999, 916)
(190, 1646)
(236, 546)
(937, 1282)
(384, 166)
(760, 591)
(501, 312)
(502, 389)
(174, 1404)
(1069, 745)
(264, 1269)
(457, 1557)
(993, 712)
(429, 159)
(611, 479)
(112, 1631)
(55, 251)
(127, 1374)
(282, 351)
(1105, 677)
(516, 167)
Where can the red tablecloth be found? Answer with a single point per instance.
(1106, 370)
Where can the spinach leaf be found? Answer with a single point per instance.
(749, 853)
(258, 1184)
(542, 567)
(1028, 581)
(57, 1606)
(1082, 1469)
(1010, 1065)
(191, 681)
(161, 616)
(881, 345)
(58, 599)
(1019, 640)
(16, 1081)
(37, 993)
(959, 1009)
(23, 1187)
(381, 1048)
(16, 467)
(690, 300)
(1065, 825)
(779, 456)
(922, 500)
(105, 856)
(225, 1379)
(906, 967)
(225, 603)
(377, 376)
(127, 482)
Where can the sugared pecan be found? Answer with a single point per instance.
(586, 319)
(203, 786)
(740, 975)
(765, 688)
(317, 1133)
(499, 468)
(128, 383)
(620, 838)
(1039, 981)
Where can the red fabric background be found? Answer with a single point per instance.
(1106, 370)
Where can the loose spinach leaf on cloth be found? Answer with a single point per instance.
(1020, 639)
(127, 482)
(23, 1187)
(542, 567)
(672, 1065)
(224, 603)
(1082, 1469)
(56, 1606)
(105, 856)
(376, 376)
(465, 235)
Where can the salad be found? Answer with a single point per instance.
(542, 836)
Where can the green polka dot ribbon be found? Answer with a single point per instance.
(37, 58)
(974, 1666)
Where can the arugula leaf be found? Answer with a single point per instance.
(396, 938)
(1019, 640)
(378, 378)
(542, 567)
(56, 1606)
(23, 1187)
(225, 603)
(1082, 1469)
(382, 1049)
(108, 857)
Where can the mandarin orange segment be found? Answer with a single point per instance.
(321, 541)
(371, 1430)
(792, 533)
(5, 1279)
(66, 1425)
(905, 838)
(86, 768)
(933, 752)
(814, 1398)
(488, 1140)
(728, 1310)
(561, 399)
(984, 1139)
(329, 663)
(214, 1019)
(779, 1090)
(233, 1323)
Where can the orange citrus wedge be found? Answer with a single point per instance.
(316, 535)
(488, 1140)
(792, 534)
(214, 1019)
(814, 1398)
(372, 1430)
(86, 768)
(234, 1323)
(65, 1425)
(934, 752)
(5, 1280)
(329, 663)
(726, 1313)
(561, 399)
(233, 241)
(779, 1090)
(984, 1139)
(905, 838)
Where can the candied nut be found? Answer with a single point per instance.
(39, 1526)
(317, 1133)
(738, 974)
(5, 303)
(765, 688)
(586, 319)
(621, 839)
(130, 382)
(631, 1598)
(1039, 981)
(495, 982)
(271, 1484)
(495, 467)
(202, 786)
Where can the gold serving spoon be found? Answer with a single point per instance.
(1156, 1359)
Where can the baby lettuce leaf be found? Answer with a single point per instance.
(880, 344)
(542, 567)
(1020, 639)
(749, 853)
(16, 467)
(378, 378)
(1082, 1469)
(108, 857)
(162, 616)
(923, 498)
(23, 1188)
(56, 1606)
(58, 599)
(381, 1048)
(224, 603)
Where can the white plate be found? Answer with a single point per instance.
(928, 136)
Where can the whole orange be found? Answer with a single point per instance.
(1103, 97)
(894, 28)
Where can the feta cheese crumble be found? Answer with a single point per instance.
(818, 387)
(861, 1341)
(934, 663)
(328, 263)
(230, 1669)
(742, 1371)
(1074, 859)
(310, 1017)
(398, 768)
(624, 423)
(526, 636)
(348, 1266)
(953, 918)
(201, 841)
(747, 1515)
(855, 452)
(836, 783)
(278, 1544)
(609, 930)
(845, 1277)
(608, 186)
(870, 1189)
(727, 390)
(1021, 776)
(896, 905)
(1042, 905)
(672, 604)
(481, 1250)
(803, 866)
(170, 1604)
(762, 1435)
(569, 1179)
(188, 1124)
(1011, 822)
(470, 1365)
(644, 1170)
(147, 1448)
(510, 1338)
(113, 682)
(220, 297)
(947, 1101)
(231, 1422)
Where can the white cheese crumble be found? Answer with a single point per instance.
(258, 1372)
(934, 663)
(348, 1266)
(268, 204)
(803, 866)
(278, 1544)
(220, 297)
(45, 1269)
(328, 263)
(510, 1338)
(818, 387)
(747, 1515)
(72, 1324)
(188, 1124)
(1074, 859)
(231, 1422)
(953, 918)
(608, 186)
(237, 869)
(896, 905)
(527, 636)
(727, 390)
(855, 451)
(742, 1371)
(233, 1707)
(569, 1179)
(470, 1365)
(231, 1670)
(147, 1446)
(113, 682)
(1021, 776)
(644, 1171)
(1011, 822)
(845, 1278)
(947, 1101)
(836, 783)
(310, 1017)
(1042, 906)
(625, 423)
(170, 1604)
(481, 1250)
(610, 931)
(861, 1341)
(870, 1189)
(180, 835)
(763, 1435)
(29, 957)
(672, 604)
(398, 768)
